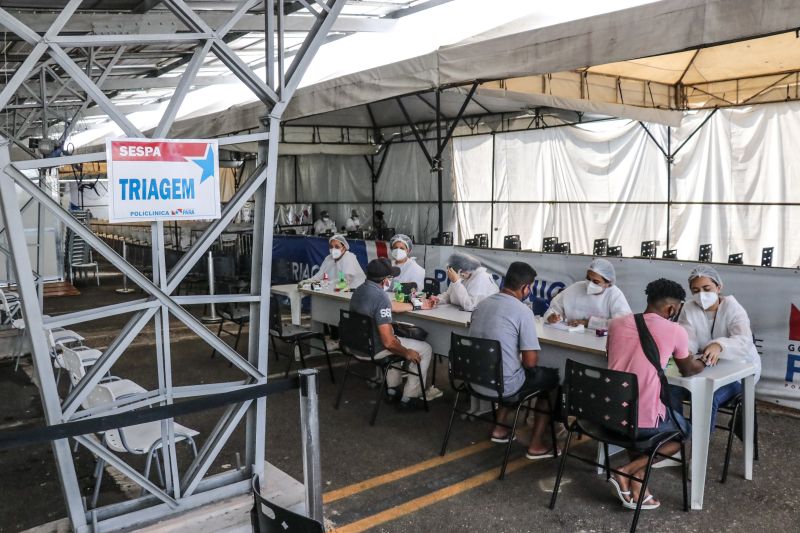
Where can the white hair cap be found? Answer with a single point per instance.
(339, 237)
(405, 239)
(706, 271)
(604, 268)
(464, 262)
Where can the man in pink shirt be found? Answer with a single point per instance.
(664, 300)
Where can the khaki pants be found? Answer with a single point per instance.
(394, 378)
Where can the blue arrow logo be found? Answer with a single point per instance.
(207, 164)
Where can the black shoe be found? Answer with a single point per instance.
(410, 405)
(392, 395)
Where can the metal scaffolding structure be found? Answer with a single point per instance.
(52, 55)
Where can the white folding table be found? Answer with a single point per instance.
(291, 291)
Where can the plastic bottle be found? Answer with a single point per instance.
(326, 281)
(398, 292)
(341, 284)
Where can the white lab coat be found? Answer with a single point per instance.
(731, 330)
(348, 264)
(352, 224)
(320, 226)
(468, 294)
(411, 272)
(574, 303)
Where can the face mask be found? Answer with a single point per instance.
(336, 253)
(399, 254)
(388, 286)
(326, 219)
(593, 288)
(705, 299)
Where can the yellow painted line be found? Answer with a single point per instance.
(383, 479)
(429, 499)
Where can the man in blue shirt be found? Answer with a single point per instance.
(372, 300)
(503, 317)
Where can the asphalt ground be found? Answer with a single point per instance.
(390, 477)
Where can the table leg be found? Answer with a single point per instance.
(296, 305)
(749, 424)
(702, 398)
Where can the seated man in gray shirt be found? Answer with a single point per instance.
(503, 317)
(372, 300)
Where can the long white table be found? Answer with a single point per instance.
(585, 347)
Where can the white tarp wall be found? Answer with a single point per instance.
(406, 191)
(609, 180)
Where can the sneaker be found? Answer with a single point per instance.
(432, 393)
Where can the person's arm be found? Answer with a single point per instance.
(618, 304)
(353, 273)
(480, 289)
(739, 341)
(392, 343)
(530, 358)
(326, 265)
(687, 365)
(556, 311)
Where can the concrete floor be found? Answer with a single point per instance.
(417, 491)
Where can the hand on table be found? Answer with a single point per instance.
(711, 354)
(552, 319)
(573, 323)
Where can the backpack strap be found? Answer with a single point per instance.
(650, 350)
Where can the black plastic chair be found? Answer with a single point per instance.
(475, 361)
(239, 314)
(734, 408)
(605, 404)
(267, 517)
(356, 338)
(298, 339)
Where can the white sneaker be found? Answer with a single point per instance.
(432, 393)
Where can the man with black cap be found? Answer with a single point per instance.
(372, 300)
(325, 224)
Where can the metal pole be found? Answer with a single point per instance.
(670, 157)
(438, 161)
(125, 289)
(213, 317)
(309, 428)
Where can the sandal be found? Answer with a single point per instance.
(624, 495)
(545, 455)
(645, 506)
(502, 440)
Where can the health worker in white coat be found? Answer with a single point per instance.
(341, 259)
(470, 283)
(324, 224)
(718, 328)
(410, 270)
(591, 302)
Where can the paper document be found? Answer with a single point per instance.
(558, 325)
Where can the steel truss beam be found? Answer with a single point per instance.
(194, 487)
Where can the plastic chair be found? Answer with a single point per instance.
(267, 517)
(296, 336)
(140, 439)
(605, 404)
(475, 361)
(356, 338)
(10, 307)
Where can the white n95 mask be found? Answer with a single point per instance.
(593, 288)
(399, 254)
(705, 299)
(336, 253)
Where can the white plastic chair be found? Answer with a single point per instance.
(9, 306)
(141, 439)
